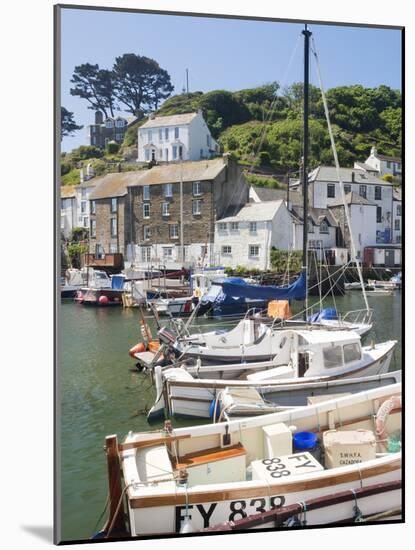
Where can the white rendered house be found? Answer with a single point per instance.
(247, 238)
(170, 138)
(384, 164)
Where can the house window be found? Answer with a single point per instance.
(93, 229)
(167, 252)
(146, 210)
(113, 206)
(197, 207)
(145, 253)
(310, 227)
(254, 250)
(166, 154)
(161, 134)
(99, 251)
(146, 192)
(150, 136)
(234, 226)
(83, 207)
(174, 151)
(113, 227)
(324, 228)
(226, 250)
(252, 227)
(86, 221)
(168, 190)
(119, 123)
(196, 187)
(398, 238)
(378, 193)
(388, 164)
(378, 214)
(174, 231)
(363, 191)
(176, 133)
(222, 226)
(93, 207)
(109, 123)
(119, 137)
(146, 232)
(165, 209)
(347, 188)
(399, 210)
(166, 134)
(331, 191)
(397, 225)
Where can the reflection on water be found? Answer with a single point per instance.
(101, 394)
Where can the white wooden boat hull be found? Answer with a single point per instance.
(160, 505)
(177, 396)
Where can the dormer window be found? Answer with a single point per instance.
(109, 123)
(324, 228)
(119, 123)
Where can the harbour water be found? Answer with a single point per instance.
(101, 393)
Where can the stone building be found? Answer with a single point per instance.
(211, 189)
(109, 214)
(138, 213)
(109, 129)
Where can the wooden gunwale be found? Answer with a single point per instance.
(173, 499)
(150, 442)
(278, 515)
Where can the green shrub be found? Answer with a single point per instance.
(79, 234)
(86, 152)
(113, 147)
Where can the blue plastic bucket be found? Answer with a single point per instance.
(304, 441)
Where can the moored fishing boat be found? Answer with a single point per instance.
(187, 479)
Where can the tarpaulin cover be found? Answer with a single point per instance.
(238, 288)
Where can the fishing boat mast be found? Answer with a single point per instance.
(307, 35)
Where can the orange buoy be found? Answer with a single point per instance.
(138, 348)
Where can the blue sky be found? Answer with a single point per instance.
(222, 53)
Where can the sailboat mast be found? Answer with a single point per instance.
(307, 35)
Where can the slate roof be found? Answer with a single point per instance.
(200, 170)
(329, 174)
(365, 166)
(388, 158)
(316, 215)
(68, 192)
(352, 198)
(254, 212)
(171, 120)
(268, 194)
(112, 185)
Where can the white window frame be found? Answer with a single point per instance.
(93, 207)
(222, 226)
(174, 231)
(167, 252)
(119, 123)
(114, 205)
(234, 226)
(165, 209)
(226, 250)
(83, 207)
(197, 207)
(250, 250)
(160, 134)
(109, 123)
(146, 233)
(146, 192)
(166, 134)
(168, 190)
(146, 253)
(176, 133)
(399, 210)
(197, 188)
(93, 229)
(146, 210)
(253, 227)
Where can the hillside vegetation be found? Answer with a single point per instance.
(263, 127)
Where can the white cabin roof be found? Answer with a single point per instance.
(319, 336)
